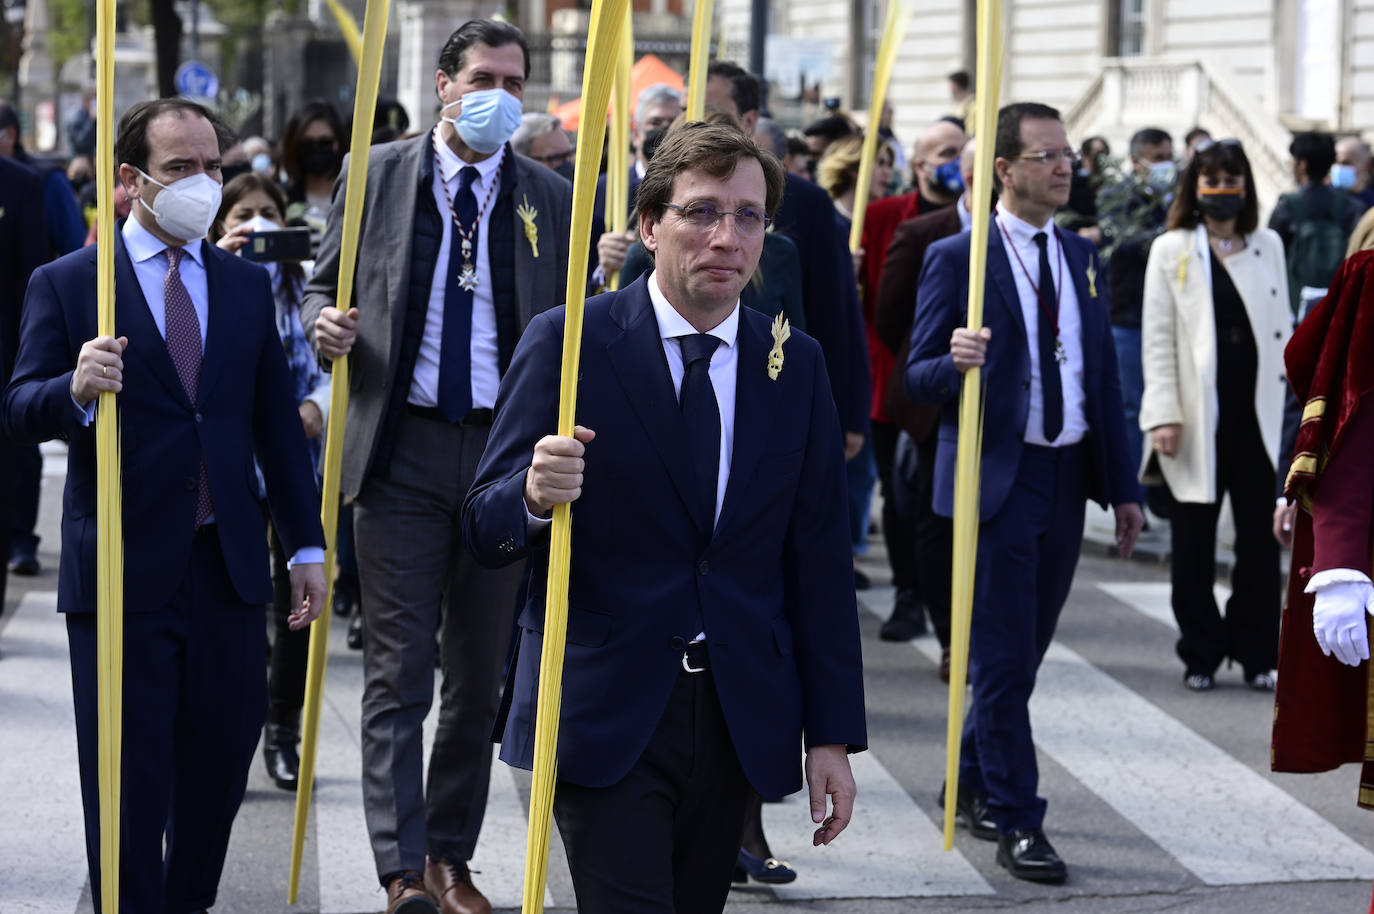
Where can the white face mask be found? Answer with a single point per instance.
(185, 209)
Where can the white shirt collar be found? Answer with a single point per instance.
(1022, 232)
(448, 163)
(965, 217)
(639, 169)
(671, 324)
(144, 245)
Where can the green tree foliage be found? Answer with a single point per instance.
(69, 29)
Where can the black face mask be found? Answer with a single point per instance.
(1221, 207)
(652, 140)
(566, 170)
(319, 159)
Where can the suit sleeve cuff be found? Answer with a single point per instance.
(85, 415)
(1335, 576)
(306, 555)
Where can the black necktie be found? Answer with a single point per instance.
(455, 356)
(1051, 388)
(701, 415)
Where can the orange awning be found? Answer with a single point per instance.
(647, 71)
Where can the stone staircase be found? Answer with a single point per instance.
(1134, 92)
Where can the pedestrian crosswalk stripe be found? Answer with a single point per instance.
(891, 849)
(42, 843)
(1216, 816)
(1153, 598)
(348, 872)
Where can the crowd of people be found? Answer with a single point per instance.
(1136, 322)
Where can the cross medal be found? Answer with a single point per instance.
(1060, 355)
(467, 278)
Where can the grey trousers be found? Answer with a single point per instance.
(418, 579)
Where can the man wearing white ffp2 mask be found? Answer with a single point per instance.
(195, 561)
(482, 232)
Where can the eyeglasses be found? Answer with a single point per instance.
(1049, 157)
(1204, 145)
(704, 217)
(554, 159)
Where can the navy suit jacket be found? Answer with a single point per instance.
(942, 305)
(830, 294)
(23, 248)
(246, 405)
(773, 582)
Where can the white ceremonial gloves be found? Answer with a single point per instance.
(1338, 619)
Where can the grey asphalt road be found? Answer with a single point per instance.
(1128, 851)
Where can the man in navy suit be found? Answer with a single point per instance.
(830, 291)
(1053, 437)
(712, 629)
(203, 389)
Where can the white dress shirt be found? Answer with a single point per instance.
(483, 348)
(965, 217)
(724, 372)
(1018, 237)
(150, 269)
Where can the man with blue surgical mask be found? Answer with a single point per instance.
(1351, 172)
(463, 242)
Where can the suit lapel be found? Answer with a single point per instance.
(218, 321)
(526, 274)
(999, 271)
(133, 317)
(756, 402)
(636, 357)
(1088, 311)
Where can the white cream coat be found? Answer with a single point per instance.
(1179, 352)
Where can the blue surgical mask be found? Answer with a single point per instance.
(1163, 175)
(1343, 177)
(488, 119)
(262, 163)
(950, 177)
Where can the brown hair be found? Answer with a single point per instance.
(1213, 159)
(713, 148)
(131, 143)
(236, 190)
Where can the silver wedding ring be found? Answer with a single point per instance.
(105, 370)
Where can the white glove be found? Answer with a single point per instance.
(1338, 620)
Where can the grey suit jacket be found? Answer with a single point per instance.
(382, 278)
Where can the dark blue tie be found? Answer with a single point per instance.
(455, 356)
(701, 415)
(1051, 387)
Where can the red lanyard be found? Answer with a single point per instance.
(1040, 299)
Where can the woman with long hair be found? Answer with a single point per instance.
(1214, 324)
(253, 202)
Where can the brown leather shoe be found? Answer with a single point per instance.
(406, 895)
(451, 883)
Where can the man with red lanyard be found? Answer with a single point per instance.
(1054, 436)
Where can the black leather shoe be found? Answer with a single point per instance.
(1028, 854)
(279, 752)
(26, 566)
(971, 811)
(908, 618)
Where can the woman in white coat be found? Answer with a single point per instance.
(1214, 325)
